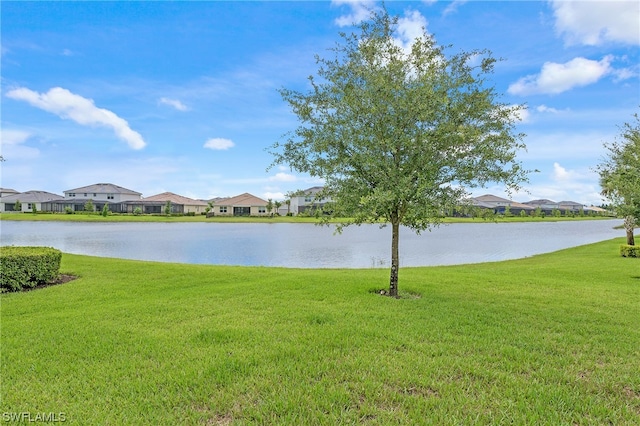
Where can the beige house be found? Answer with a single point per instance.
(179, 204)
(241, 205)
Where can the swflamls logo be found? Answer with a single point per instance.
(28, 417)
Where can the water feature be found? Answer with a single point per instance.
(306, 245)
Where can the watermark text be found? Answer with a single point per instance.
(28, 417)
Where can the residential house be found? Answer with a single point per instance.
(570, 206)
(306, 200)
(4, 192)
(500, 205)
(29, 201)
(548, 206)
(156, 204)
(240, 205)
(114, 196)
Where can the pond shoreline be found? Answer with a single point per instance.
(298, 245)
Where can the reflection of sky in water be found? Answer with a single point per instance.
(306, 245)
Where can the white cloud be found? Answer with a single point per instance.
(283, 177)
(273, 195)
(219, 144)
(11, 145)
(556, 78)
(596, 22)
(453, 7)
(174, 103)
(625, 74)
(410, 27)
(83, 111)
(544, 108)
(13, 137)
(360, 11)
(560, 173)
(523, 115)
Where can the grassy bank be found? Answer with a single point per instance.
(85, 217)
(552, 339)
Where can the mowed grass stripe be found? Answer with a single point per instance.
(552, 339)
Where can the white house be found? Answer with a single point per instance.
(4, 192)
(102, 192)
(28, 200)
(307, 199)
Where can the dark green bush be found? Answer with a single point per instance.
(629, 251)
(26, 267)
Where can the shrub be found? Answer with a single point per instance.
(68, 210)
(28, 266)
(629, 251)
(137, 211)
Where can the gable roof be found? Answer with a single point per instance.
(313, 190)
(175, 199)
(104, 188)
(540, 202)
(245, 199)
(32, 197)
(569, 203)
(8, 191)
(488, 198)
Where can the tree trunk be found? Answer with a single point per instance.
(629, 226)
(395, 258)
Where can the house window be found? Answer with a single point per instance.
(72, 194)
(109, 196)
(308, 199)
(223, 209)
(262, 209)
(29, 207)
(95, 195)
(85, 194)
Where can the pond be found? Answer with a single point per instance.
(306, 245)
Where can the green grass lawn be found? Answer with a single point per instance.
(97, 217)
(548, 340)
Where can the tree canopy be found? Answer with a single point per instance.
(620, 176)
(398, 133)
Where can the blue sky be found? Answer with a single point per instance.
(182, 96)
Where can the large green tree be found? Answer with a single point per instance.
(398, 133)
(620, 176)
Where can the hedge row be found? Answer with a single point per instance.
(629, 251)
(27, 267)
